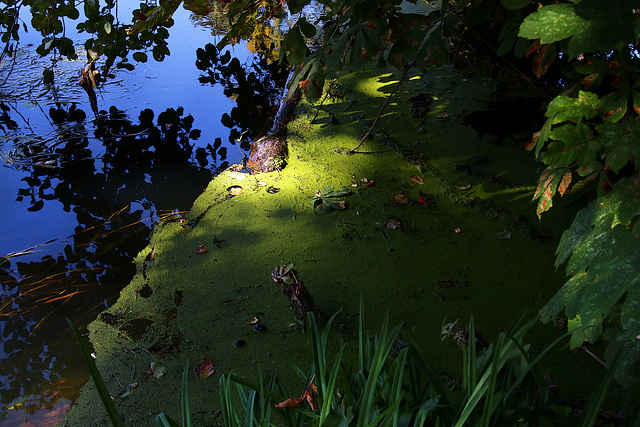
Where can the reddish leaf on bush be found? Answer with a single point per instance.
(205, 369)
(564, 184)
(543, 59)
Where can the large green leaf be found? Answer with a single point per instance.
(409, 32)
(620, 145)
(628, 347)
(581, 226)
(590, 25)
(571, 144)
(604, 264)
(294, 45)
(309, 77)
(565, 108)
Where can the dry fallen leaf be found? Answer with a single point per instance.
(416, 179)
(237, 175)
(156, 369)
(400, 199)
(290, 403)
(235, 190)
(205, 369)
(393, 224)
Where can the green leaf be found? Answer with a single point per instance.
(337, 193)
(565, 108)
(581, 226)
(156, 16)
(591, 25)
(619, 145)
(306, 28)
(571, 144)
(628, 349)
(309, 78)
(551, 23)
(410, 33)
(294, 45)
(604, 262)
(91, 9)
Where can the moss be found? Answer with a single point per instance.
(441, 261)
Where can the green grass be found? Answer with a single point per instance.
(394, 384)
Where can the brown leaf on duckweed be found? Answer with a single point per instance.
(416, 179)
(201, 249)
(400, 199)
(292, 403)
(205, 369)
(156, 369)
(235, 190)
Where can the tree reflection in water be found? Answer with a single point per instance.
(118, 176)
(145, 173)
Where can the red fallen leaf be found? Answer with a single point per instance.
(205, 369)
(422, 201)
(201, 249)
(416, 179)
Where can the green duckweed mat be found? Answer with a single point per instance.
(466, 241)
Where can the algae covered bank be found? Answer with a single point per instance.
(438, 224)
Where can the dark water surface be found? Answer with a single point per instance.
(80, 193)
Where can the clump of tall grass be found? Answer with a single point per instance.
(394, 384)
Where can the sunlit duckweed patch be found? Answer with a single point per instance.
(443, 254)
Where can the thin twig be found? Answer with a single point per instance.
(366, 136)
(590, 353)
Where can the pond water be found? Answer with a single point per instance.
(80, 193)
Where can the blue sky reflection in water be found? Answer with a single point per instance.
(79, 205)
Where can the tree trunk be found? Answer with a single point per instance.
(269, 151)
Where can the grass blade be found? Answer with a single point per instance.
(184, 395)
(108, 404)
